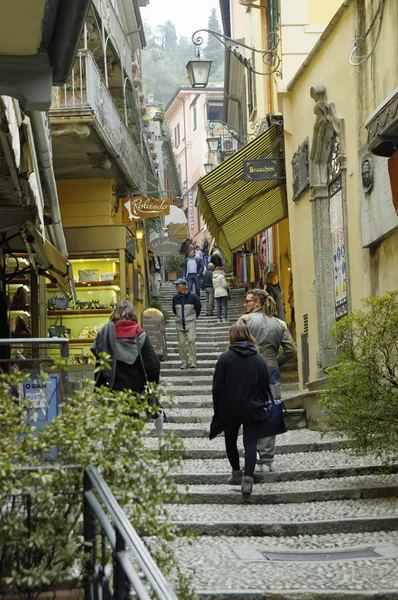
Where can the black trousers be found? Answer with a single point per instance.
(251, 432)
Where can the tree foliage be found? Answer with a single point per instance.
(362, 389)
(165, 57)
(41, 528)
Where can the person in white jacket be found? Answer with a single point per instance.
(221, 294)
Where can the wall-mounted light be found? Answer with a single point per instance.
(199, 72)
(139, 234)
(208, 167)
(212, 143)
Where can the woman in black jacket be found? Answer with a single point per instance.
(240, 393)
(123, 339)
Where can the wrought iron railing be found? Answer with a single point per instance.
(115, 32)
(86, 94)
(119, 565)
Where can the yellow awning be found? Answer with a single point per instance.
(236, 210)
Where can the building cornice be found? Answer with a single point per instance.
(320, 43)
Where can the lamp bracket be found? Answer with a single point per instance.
(269, 57)
(234, 133)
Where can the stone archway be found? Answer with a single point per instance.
(329, 218)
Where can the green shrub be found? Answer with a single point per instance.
(174, 263)
(95, 427)
(362, 389)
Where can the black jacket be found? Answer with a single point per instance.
(207, 281)
(240, 385)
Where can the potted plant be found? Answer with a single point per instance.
(148, 133)
(151, 145)
(137, 82)
(143, 110)
(135, 65)
(174, 266)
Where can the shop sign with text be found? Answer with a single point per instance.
(165, 246)
(143, 207)
(260, 170)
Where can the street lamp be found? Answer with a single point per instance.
(199, 70)
(212, 143)
(208, 167)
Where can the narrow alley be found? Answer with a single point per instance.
(321, 525)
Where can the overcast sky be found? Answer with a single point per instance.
(187, 15)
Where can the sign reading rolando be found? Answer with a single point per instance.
(143, 207)
(260, 170)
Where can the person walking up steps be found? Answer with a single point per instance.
(240, 394)
(186, 307)
(270, 334)
(207, 286)
(221, 294)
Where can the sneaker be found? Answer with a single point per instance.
(246, 486)
(183, 366)
(219, 321)
(236, 478)
(193, 365)
(264, 468)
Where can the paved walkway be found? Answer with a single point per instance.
(323, 524)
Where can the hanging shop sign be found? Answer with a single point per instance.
(190, 207)
(143, 207)
(263, 169)
(165, 246)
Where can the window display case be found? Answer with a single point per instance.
(97, 285)
(19, 296)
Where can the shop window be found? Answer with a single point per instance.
(139, 286)
(177, 136)
(251, 87)
(215, 111)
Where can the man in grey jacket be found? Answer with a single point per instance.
(270, 334)
(186, 307)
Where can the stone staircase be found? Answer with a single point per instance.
(323, 524)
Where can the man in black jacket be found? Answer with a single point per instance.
(207, 286)
(186, 307)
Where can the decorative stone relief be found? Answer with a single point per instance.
(301, 173)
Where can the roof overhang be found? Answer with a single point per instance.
(236, 210)
(382, 127)
(43, 52)
(43, 256)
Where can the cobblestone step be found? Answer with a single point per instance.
(240, 568)
(312, 518)
(204, 415)
(294, 400)
(205, 390)
(346, 488)
(295, 440)
(294, 419)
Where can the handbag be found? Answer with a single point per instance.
(160, 416)
(274, 421)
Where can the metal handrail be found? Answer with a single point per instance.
(98, 503)
(125, 536)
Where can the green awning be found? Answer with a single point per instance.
(236, 210)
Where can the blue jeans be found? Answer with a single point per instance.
(222, 307)
(193, 279)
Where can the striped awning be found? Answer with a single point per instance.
(236, 210)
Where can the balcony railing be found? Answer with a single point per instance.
(115, 32)
(85, 94)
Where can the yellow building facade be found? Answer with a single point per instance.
(343, 225)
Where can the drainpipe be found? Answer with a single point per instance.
(42, 139)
